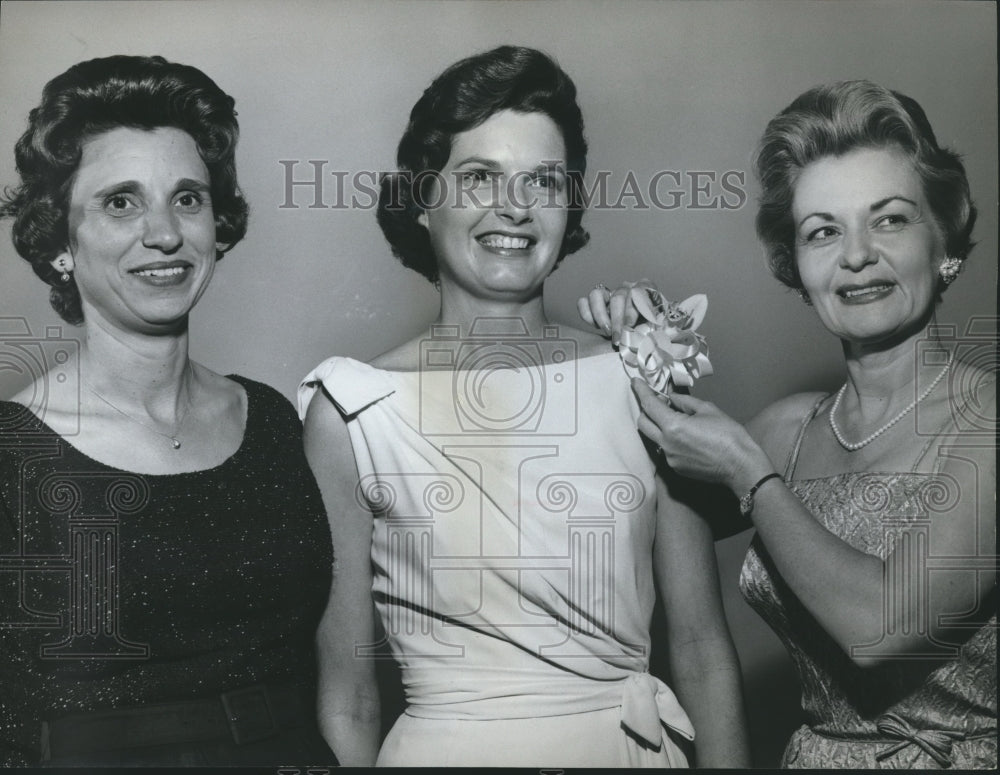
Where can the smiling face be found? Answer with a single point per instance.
(141, 228)
(507, 177)
(867, 245)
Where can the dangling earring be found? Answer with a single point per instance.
(61, 265)
(804, 295)
(949, 269)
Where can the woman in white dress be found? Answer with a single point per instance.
(494, 496)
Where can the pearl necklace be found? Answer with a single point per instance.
(175, 442)
(869, 439)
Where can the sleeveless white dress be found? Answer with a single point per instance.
(514, 517)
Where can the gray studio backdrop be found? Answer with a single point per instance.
(681, 88)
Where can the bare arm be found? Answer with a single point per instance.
(859, 598)
(704, 666)
(349, 712)
(843, 588)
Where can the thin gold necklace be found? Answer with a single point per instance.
(175, 442)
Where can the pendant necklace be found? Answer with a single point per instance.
(851, 447)
(174, 441)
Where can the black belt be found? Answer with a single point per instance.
(242, 715)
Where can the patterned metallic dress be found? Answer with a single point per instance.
(917, 712)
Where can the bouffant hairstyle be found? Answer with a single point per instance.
(461, 98)
(832, 120)
(96, 96)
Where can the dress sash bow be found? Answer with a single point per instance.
(935, 742)
(648, 703)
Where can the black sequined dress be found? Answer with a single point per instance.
(119, 589)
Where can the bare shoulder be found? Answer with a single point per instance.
(964, 416)
(326, 439)
(26, 395)
(977, 387)
(587, 343)
(223, 394)
(776, 426)
(219, 405)
(322, 416)
(405, 357)
(55, 402)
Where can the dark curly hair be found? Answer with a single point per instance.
(461, 98)
(96, 96)
(832, 120)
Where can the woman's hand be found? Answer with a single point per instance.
(609, 311)
(701, 441)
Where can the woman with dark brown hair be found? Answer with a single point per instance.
(164, 552)
(512, 563)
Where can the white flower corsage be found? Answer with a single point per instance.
(665, 348)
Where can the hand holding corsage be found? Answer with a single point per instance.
(665, 348)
